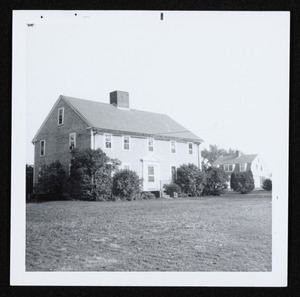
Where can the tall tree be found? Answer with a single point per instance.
(211, 155)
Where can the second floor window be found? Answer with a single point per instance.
(190, 147)
(60, 119)
(173, 146)
(108, 141)
(126, 143)
(42, 148)
(228, 167)
(72, 141)
(150, 144)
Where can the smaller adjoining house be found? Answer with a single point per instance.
(239, 162)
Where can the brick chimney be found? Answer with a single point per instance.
(120, 99)
(237, 154)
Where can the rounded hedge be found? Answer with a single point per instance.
(267, 185)
(126, 185)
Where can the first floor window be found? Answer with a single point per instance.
(108, 141)
(150, 173)
(173, 146)
(190, 147)
(126, 143)
(42, 148)
(242, 167)
(72, 141)
(228, 167)
(173, 171)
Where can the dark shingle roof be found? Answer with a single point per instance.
(108, 117)
(232, 159)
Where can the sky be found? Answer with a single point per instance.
(222, 75)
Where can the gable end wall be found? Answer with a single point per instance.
(57, 138)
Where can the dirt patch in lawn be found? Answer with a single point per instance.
(230, 233)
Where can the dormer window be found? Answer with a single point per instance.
(60, 118)
(228, 167)
(72, 140)
(173, 146)
(243, 167)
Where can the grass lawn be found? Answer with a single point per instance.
(228, 233)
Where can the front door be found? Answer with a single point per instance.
(151, 177)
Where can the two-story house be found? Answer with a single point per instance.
(151, 144)
(239, 162)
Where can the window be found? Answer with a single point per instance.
(173, 173)
(60, 118)
(150, 173)
(126, 143)
(228, 167)
(151, 145)
(126, 166)
(190, 148)
(70, 168)
(173, 146)
(72, 140)
(109, 169)
(242, 167)
(261, 167)
(108, 141)
(42, 148)
(256, 166)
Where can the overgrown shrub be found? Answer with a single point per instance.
(90, 175)
(243, 182)
(190, 180)
(147, 195)
(171, 189)
(51, 180)
(127, 185)
(215, 181)
(267, 184)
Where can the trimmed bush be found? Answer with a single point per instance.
(147, 195)
(267, 185)
(190, 180)
(172, 189)
(215, 181)
(243, 182)
(90, 175)
(127, 185)
(51, 180)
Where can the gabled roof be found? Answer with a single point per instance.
(108, 117)
(232, 159)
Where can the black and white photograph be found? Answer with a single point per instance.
(154, 146)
